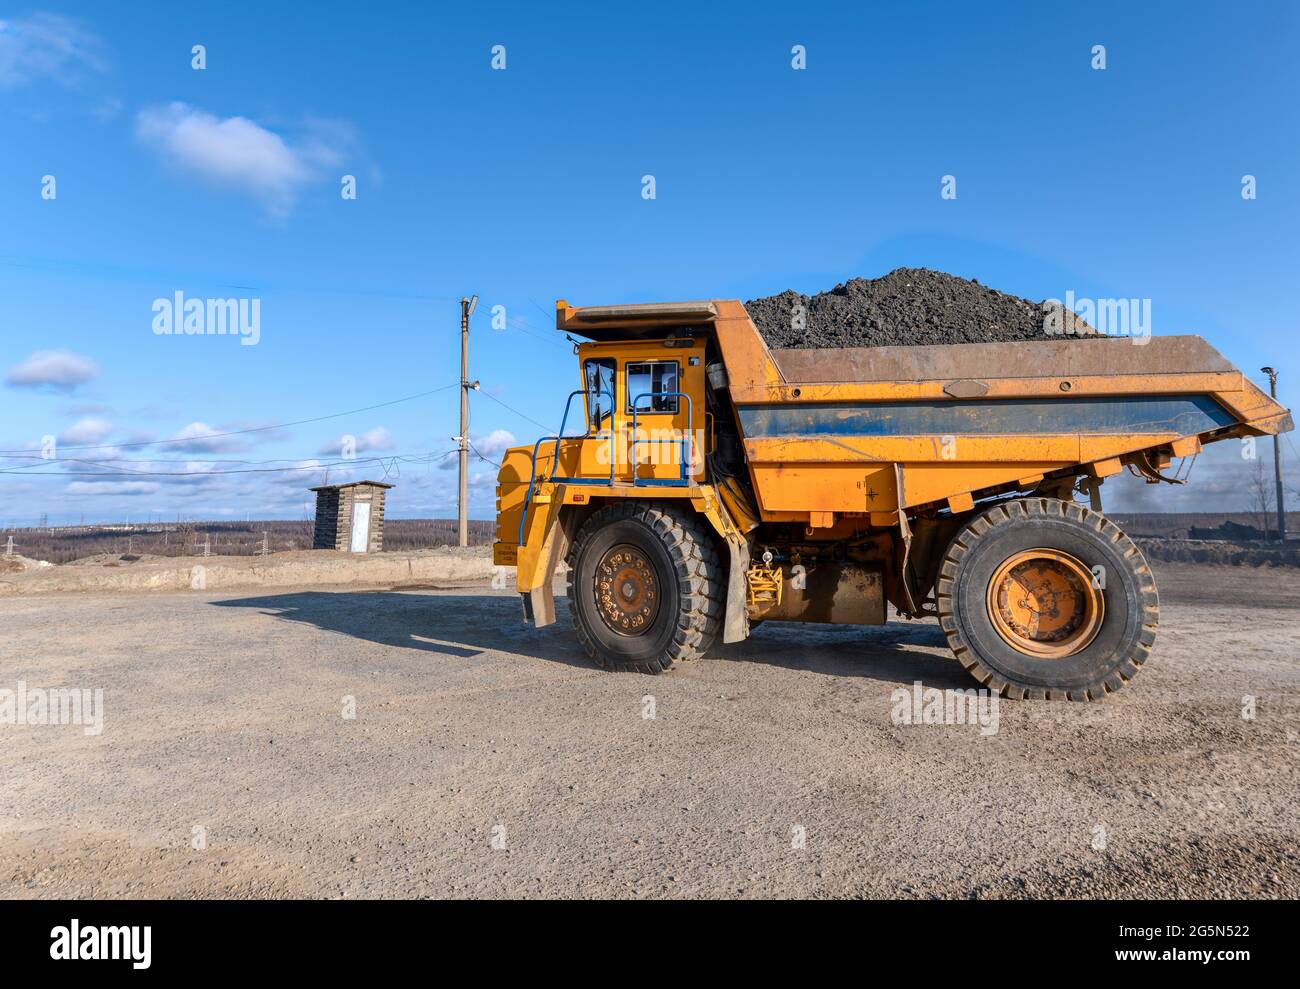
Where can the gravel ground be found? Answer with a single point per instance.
(223, 713)
(908, 306)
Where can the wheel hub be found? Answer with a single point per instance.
(627, 592)
(1043, 603)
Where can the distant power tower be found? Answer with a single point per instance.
(1277, 461)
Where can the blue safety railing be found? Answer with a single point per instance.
(555, 459)
(671, 482)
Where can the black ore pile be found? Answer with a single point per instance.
(908, 307)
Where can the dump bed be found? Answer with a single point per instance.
(865, 432)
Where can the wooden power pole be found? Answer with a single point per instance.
(462, 504)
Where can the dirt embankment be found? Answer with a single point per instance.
(447, 566)
(1220, 553)
(908, 307)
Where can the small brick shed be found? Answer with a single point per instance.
(350, 515)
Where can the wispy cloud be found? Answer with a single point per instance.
(48, 47)
(199, 437)
(85, 408)
(58, 370)
(374, 441)
(112, 487)
(237, 153)
(87, 430)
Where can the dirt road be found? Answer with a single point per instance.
(488, 759)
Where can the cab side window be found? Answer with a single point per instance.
(647, 383)
(598, 378)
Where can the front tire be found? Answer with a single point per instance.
(1046, 599)
(645, 586)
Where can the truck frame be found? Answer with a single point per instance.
(716, 484)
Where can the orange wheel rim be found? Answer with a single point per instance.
(627, 592)
(1045, 603)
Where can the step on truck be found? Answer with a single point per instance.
(701, 483)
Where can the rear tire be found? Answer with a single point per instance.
(1020, 603)
(645, 586)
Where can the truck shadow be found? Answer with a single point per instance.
(467, 625)
(457, 625)
(897, 652)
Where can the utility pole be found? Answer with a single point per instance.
(462, 504)
(1277, 460)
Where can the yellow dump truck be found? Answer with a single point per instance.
(713, 483)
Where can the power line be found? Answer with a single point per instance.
(491, 463)
(538, 336)
(515, 411)
(523, 328)
(113, 461)
(423, 459)
(203, 438)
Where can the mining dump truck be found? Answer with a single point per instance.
(702, 483)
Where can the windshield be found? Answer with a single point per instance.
(598, 380)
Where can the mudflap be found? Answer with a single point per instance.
(735, 625)
(539, 602)
(539, 606)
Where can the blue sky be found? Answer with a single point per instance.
(524, 186)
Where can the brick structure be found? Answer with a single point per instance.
(339, 505)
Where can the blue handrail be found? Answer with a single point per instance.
(555, 460)
(685, 478)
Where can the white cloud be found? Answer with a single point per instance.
(199, 437)
(48, 46)
(112, 487)
(238, 153)
(61, 370)
(495, 443)
(85, 431)
(374, 441)
(490, 446)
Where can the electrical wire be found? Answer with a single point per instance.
(491, 463)
(106, 472)
(203, 438)
(517, 412)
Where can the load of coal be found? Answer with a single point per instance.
(909, 307)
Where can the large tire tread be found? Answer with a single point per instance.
(1126, 666)
(700, 584)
